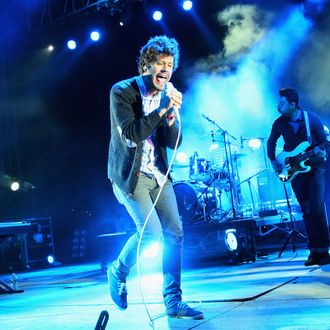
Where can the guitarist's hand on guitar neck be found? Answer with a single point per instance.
(320, 152)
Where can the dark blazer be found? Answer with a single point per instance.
(129, 128)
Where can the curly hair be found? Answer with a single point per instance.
(158, 45)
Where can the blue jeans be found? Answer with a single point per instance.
(309, 189)
(164, 222)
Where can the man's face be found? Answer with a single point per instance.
(285, 108)
(158, 73)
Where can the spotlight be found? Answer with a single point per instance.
(231, 239)
(121, 23)
(254, 144)
(50, 48)
(187, 5)
(38, 238)
(157, 15)
(79, 243)
(95, 36)
(71, 44)
(240, 244)
(14, 186)
(50, 259)
(181, 157)
(152, 250)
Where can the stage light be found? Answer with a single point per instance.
(50, 48)
(50, 259)
(95, 36)
(240, 245)
(15, 186)
(231, 239)
(157, 15)
(187, 5)
(71, 44)
(254, 144)
(181, 157)
(121, 23)
(79, 243)
(152, 250)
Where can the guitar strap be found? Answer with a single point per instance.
(308, 129)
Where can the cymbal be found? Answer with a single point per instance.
(178, 165)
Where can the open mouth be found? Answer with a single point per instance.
(161, 79)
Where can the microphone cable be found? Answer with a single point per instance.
(151, 322)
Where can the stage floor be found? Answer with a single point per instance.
(272, 293)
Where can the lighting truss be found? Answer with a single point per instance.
(53, 11)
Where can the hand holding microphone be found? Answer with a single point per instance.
(171, 101)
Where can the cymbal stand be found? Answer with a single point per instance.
(267, 171)
(225, 135)
(248, 180)
(266, 163)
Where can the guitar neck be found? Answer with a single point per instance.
(309, 153)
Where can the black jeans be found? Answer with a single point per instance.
(309, 189)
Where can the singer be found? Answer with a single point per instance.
(143, 125)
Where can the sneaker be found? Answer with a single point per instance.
(319, 259)
(183, 311)
(118, 290)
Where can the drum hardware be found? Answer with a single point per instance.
(235, 194)
(178, 165)
(222, 211)
(199, 168)
(248, 180)
(195, 201)
(266, 162)
(239, 155)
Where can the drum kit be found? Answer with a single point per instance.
(213, 191)
(206, 196)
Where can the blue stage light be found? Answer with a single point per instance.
(50, 259)
(157, 15)
(231, 239)
(71, 44)
(95, 36)
(187, 5)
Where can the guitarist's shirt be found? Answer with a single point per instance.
(294, 133)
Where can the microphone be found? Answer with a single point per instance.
(242, 142)
(207, 118)
(173, 108)
(212, 135)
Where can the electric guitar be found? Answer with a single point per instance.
(293, 162)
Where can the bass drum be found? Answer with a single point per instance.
(195, 201)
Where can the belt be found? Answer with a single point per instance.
(148, 175)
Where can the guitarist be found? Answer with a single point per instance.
(308, 187)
